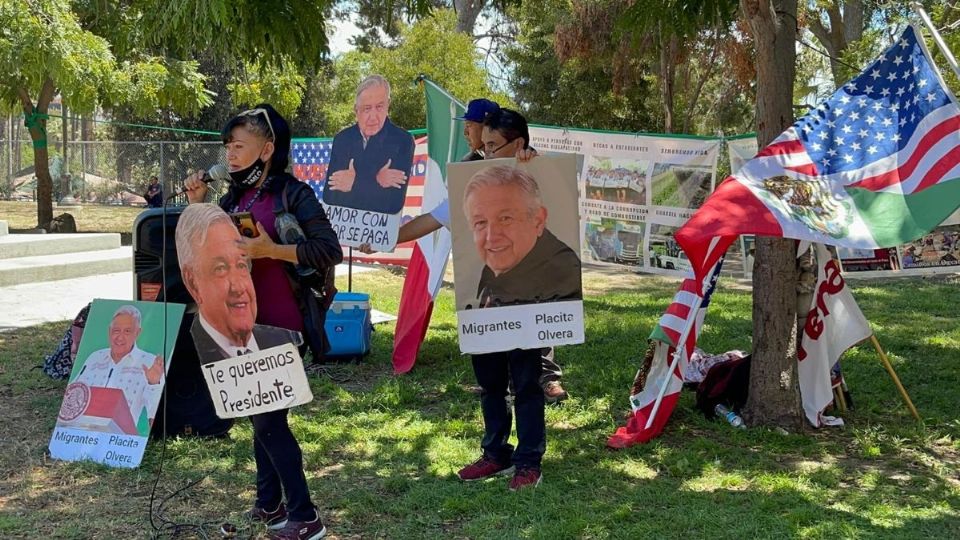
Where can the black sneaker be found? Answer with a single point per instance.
(302, 530)
(274, 520)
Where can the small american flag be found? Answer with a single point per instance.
(649, 418)
(310, 158)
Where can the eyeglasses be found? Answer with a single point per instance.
(266, 116)
(489, 153)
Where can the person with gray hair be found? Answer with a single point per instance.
(505, 212)
(370, 160)
(123, 365)
(524, 263)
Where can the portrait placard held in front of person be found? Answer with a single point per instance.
(370, 164)
(515, 253)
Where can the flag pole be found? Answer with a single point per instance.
(893, 375)
(681, 345)
(918, 8)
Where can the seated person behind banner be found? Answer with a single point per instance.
(505, 212)
(370, 160)
(125, 366)
(154, 194)
(257, 145)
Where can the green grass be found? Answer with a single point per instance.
(91, 218)
(381, 452)
(666, 189)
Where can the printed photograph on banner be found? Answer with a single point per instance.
(934, 250)
(615, 179)
(370, 161)
(614, 241)
(681, 186)
(111, 399)
(663, 253)
(868, 260)
(516, 241)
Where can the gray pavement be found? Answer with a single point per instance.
(36, 303)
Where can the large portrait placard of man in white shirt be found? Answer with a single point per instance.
(114, 389)
(516, 241)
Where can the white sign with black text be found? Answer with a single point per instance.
(263, 381)
(357, 227)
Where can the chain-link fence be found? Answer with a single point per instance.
(99, 171)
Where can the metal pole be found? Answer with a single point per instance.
(937, 38)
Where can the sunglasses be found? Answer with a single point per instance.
(266, 116)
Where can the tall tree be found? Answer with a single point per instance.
(45, 51)
(431, 46)
(774, 387)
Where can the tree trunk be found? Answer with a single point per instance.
(38, 134)
(774, 390)
(667, 78)
(467, 13)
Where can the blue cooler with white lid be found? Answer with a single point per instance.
(348, 325)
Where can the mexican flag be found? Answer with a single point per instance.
(445, 143)
(873, 166)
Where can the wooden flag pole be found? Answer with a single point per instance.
(893, 375)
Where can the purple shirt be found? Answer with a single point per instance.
(276, 304)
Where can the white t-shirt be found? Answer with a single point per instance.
(127, 375)
(442, 213)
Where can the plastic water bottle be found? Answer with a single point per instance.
(731, 416)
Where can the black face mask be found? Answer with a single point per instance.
(248, 176)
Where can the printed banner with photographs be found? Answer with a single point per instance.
(636, 190)
(516, 242)
(936, 252)
(111, 400)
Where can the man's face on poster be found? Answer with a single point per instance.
(504, 224)
(123, 333)
(373, 107)
(220, 282)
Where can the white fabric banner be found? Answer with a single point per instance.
(635, 191)
(834, 324)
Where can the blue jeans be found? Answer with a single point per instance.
(493, 371)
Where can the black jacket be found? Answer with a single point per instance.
(321, 250)
(549, 273)
(266, 336)
(390, 143)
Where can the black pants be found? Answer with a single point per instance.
(493, 371)
(280, 466)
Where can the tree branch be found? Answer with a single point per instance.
(46, 94)
(822, 34)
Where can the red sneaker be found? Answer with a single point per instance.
(273, 519)
(301, 530)
(483, 468)
(525, 478)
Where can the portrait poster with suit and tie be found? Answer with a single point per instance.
(516, 246)
(367, 177)
(111, 398)
(249, 368)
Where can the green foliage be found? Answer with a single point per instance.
(431, 46)
(679, 17)
(280, 85)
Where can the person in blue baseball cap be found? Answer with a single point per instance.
(477, 111)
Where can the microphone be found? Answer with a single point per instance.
(217, 172)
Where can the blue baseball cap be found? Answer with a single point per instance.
(478, 109)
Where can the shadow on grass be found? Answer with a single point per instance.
(381, 452)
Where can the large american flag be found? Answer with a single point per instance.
(310, 157)
(853, 172)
